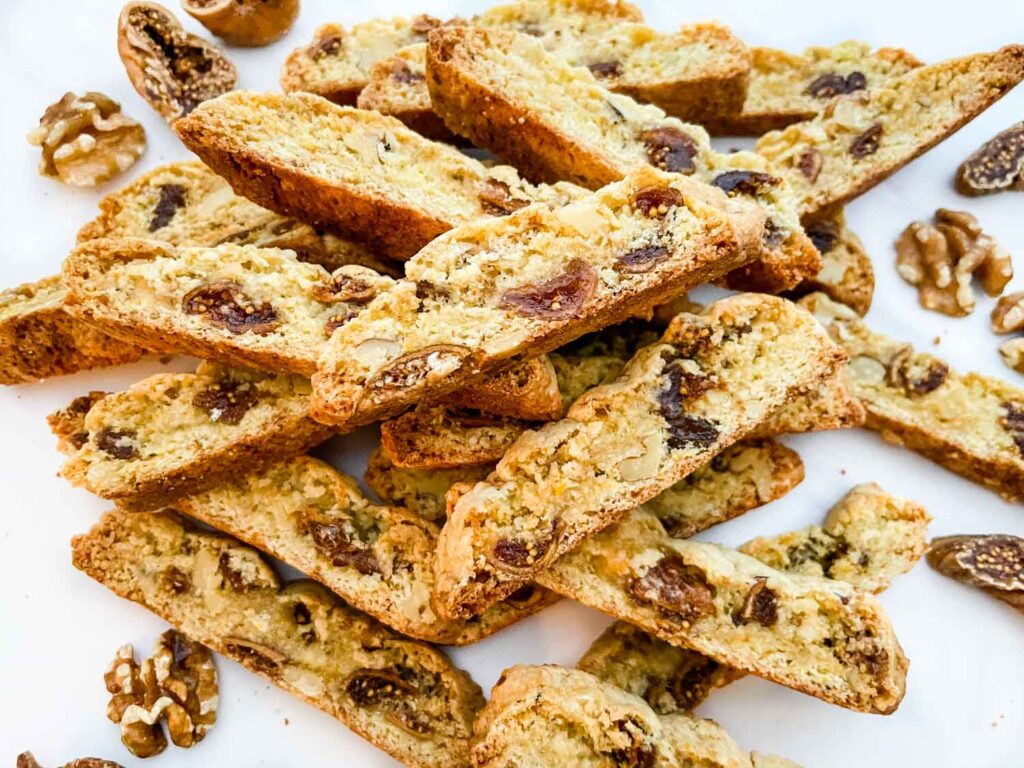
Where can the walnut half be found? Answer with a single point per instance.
(943, 258)
(28, 760)
(1007, 317)
(178, 685)
(86, 140)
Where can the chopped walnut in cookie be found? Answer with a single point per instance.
(942, 259)
(86, 140)
(177, 685)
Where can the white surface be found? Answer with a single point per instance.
(965, 698)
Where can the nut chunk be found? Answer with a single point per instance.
(86, 140)
(994, 564)
(178, 685)
(997, 165)
(27, 760)
(1007, 317)
(173, 70)
(942, 259)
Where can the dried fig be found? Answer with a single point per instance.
(173, 70)
(248, 23)
(676, 588)
(996, 165)
(670, 149)
(559, 298)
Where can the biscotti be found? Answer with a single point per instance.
(745, 475)
(970, 424)
(846, 273)
(541, 716)
(677, 404)
(786, 88)
(243, 305)
(173, 434)
(378, 559)
(255, 307)
(68, 424)
(39, 339)
(819, 636)
(556, 122)
(419, 490)
(403, 696)
(492, 291)
(365, 173)
(188, 204)
(868, 538)
(860, 139)
(336, 64)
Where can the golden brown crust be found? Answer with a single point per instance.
(527, 390)
(297, 636)
(39, 339)
(436, 437)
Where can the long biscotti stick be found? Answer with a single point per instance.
(538, 716)
(378, 559)
(419, 490)
(39, 339)
(403, 696)
(188, 204)
(173, 434)
(255, 307)
(869, 537)
(786, 88)
(556, 122)
(819, 636)
(970, 424)
(495, 290)
(363, 172)
(859, 140)
(678, 403)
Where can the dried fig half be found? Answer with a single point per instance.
(561, 297)
(996, 165)
(247, 23)
(676, 588)
(174, 70)
(993, 563)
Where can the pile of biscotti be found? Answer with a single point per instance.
(556, 418)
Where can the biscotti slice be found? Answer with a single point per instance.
(68, 424)
(188, 204)
(868, 538)
(418, 490)
(677, 404)
(970, 424)
(378, 559)
(859, 140)
(745, 475)
(496, 290)
(397, 86)
(337, 63)
(541, 716)
(846, 274)
(830, 405)
(256, 307)
(439, 437)
(786, 88)
(365, 173)
(403, 696)
(172, 434)
(39, 339)
(556, 122)
(823, 637)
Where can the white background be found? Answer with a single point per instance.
(965, 691)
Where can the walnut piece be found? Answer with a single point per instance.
(177, 685)
(27, 760)
(86, 140)
(247, 23)
(942, 259)
(173, 70)
(993, 563)
(997, 165)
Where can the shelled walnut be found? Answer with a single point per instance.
(942, 259)
(249, 23)
(86, 140)
(27, 760)
(1007, 317)
(178, 685)
(173, 70)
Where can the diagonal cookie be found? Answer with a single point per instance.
(364, 173)
(970, 424)
(677, 404)
(859, 140)
(403, 696)
(378, 559)
(419, 490)
(868, 538)
(497, 290)
(556, 122)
